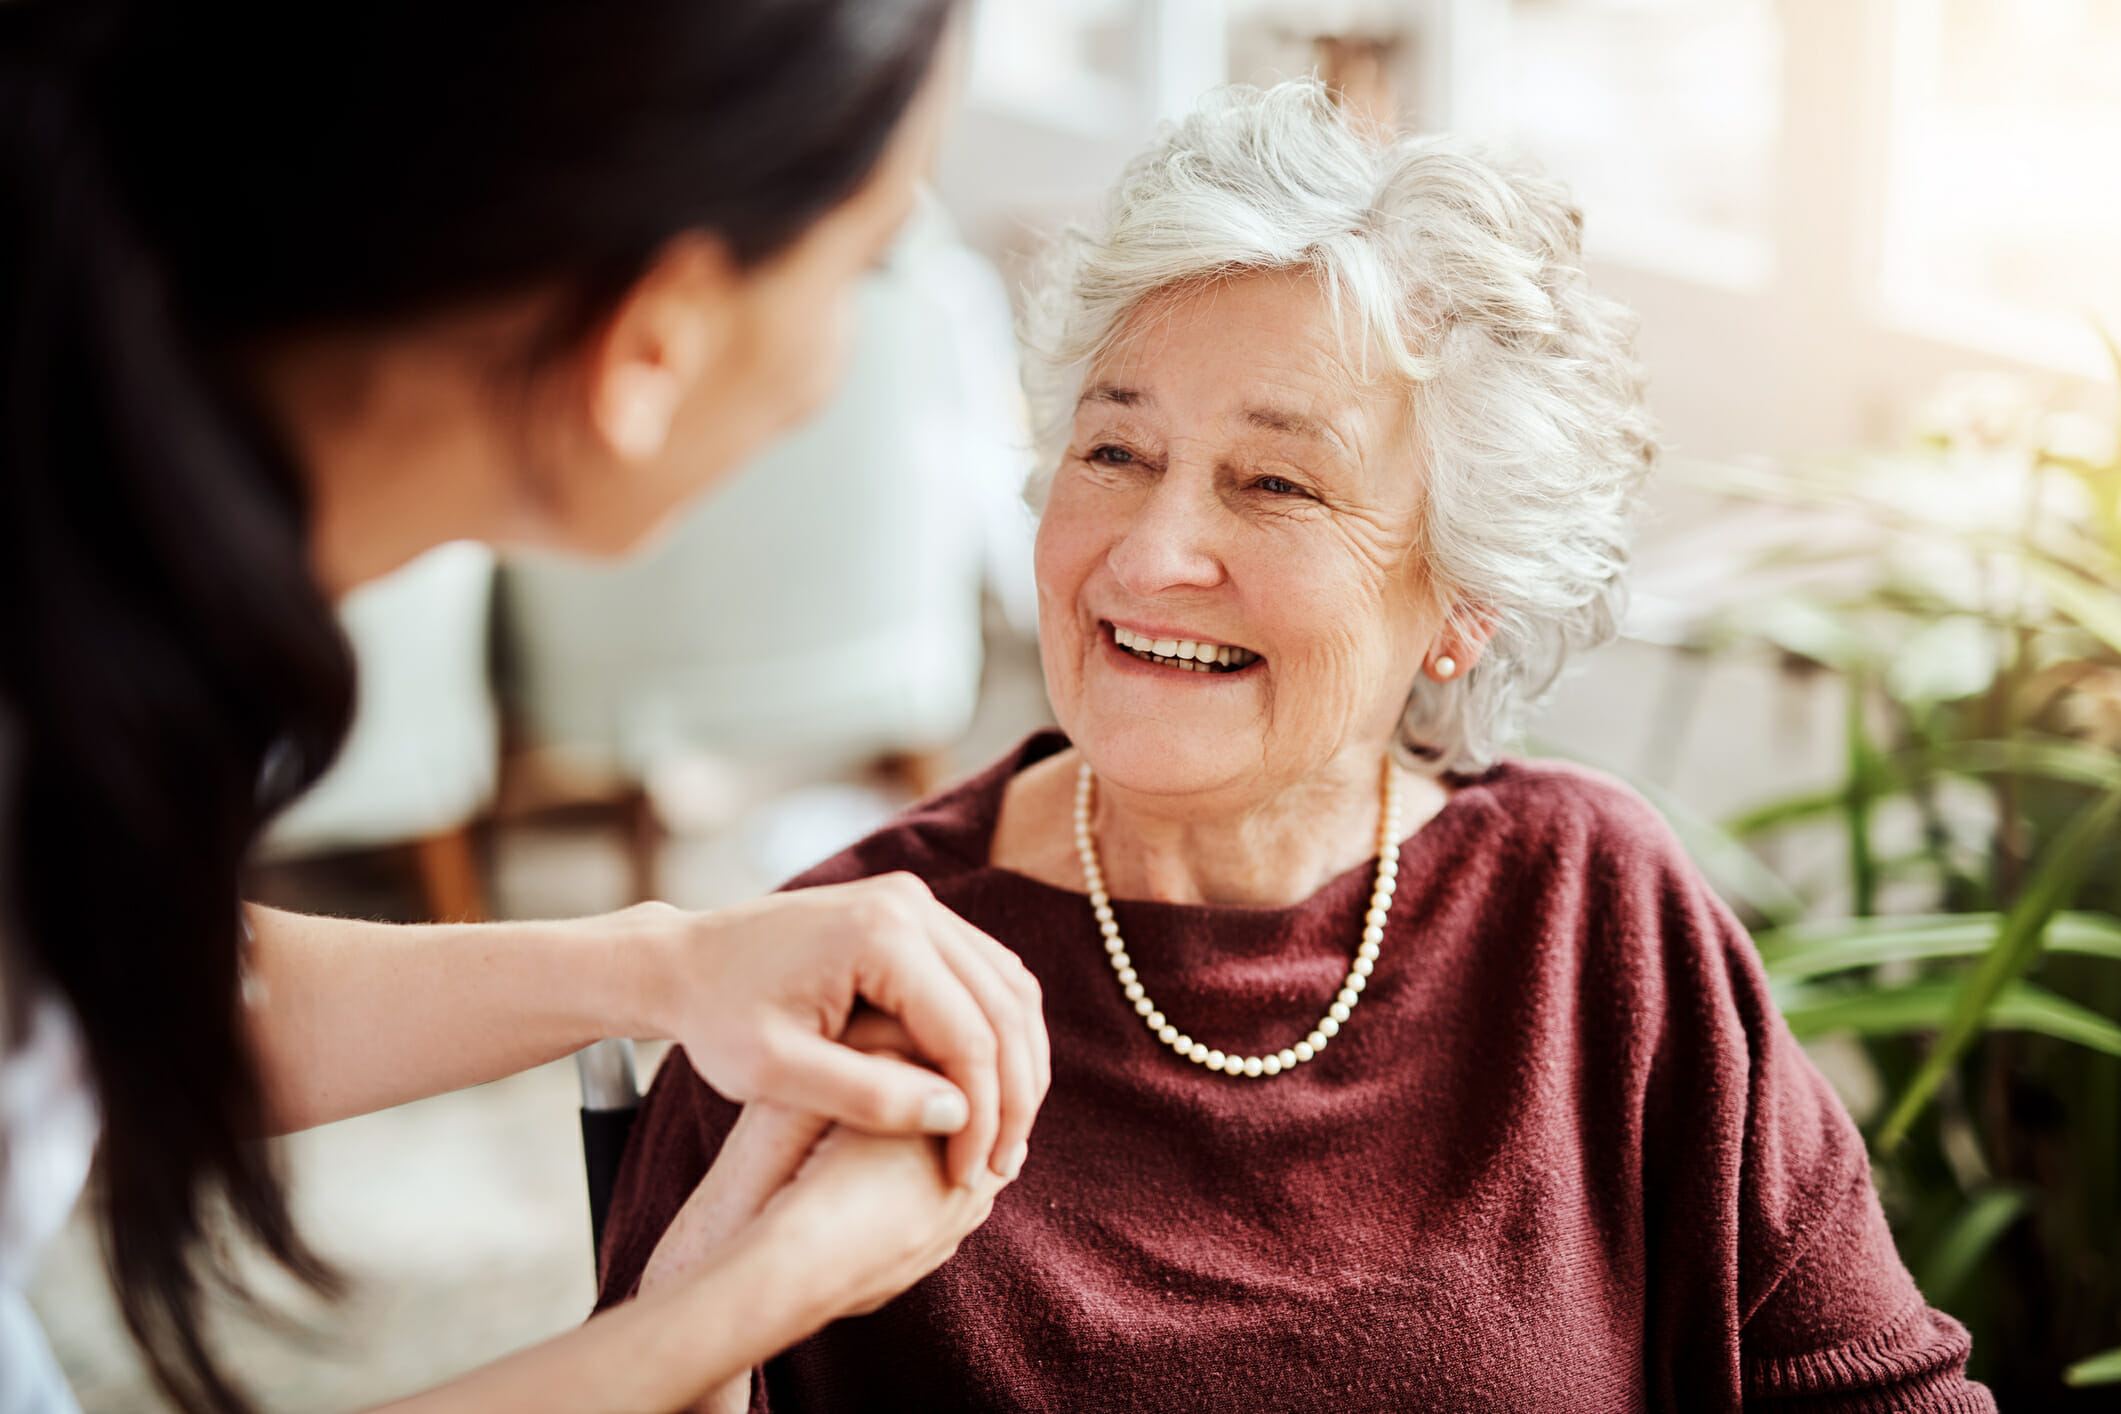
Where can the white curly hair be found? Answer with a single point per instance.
(1465, 276)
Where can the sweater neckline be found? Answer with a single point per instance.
(986, 798)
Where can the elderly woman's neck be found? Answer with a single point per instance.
(1241, 848)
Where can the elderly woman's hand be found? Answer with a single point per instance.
(758, 995)
(864, 1216)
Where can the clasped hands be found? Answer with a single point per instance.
(864, 1019)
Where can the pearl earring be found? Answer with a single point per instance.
(1445, 668)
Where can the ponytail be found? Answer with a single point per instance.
(160, 637)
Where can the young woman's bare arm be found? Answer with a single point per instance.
(655, 1355)
(862, 1218)
(349, 1017)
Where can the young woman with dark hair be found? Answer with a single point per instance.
(288, 296)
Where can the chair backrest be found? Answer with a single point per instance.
(424, 751)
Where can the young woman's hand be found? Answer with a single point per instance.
(798, 1222)
(758, 994)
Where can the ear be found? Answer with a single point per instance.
(1459, 643)
(664, 335)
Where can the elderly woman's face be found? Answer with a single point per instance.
(1229, 595)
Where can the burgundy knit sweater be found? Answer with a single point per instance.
(1565, 1156)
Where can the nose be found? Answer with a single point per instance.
(1171, 541)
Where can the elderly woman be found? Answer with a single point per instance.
(1388, 1074)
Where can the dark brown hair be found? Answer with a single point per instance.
(178, 180)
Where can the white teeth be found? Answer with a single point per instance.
(1186, 653)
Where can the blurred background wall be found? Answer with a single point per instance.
(1846, 225)
(1820, 207)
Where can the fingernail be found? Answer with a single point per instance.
(1012, 1162)
(944, 1112)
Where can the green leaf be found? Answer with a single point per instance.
(2054, 882)
(2096, 609)
(1952, 1257)
(2067, 761)
(1952, 658)
(1790, 810)
(1930, 1005)
(1863, 779)
(2081, 548)
(2101, 1369)
(2075, 466)
(1805, 950)
(1804, 629)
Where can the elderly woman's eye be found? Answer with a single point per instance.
(1280, 486)
(1111, 456)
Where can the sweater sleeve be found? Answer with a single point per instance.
(1828, 1318)
(1815, 1346)
(1773, 1281)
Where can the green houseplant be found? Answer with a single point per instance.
(1966, 596)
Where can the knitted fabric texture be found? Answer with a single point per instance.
(1565, 1156)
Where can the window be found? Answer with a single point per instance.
(1096, 66)
(2003, 219)
(1062, 63)
(1664, 116)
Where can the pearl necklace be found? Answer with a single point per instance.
(1373, 933)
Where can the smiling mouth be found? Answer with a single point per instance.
(1184, 653)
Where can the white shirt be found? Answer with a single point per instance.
(48, 1126)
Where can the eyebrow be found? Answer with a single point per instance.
(1296, 423)
(1112, 393)
(1273, 419)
